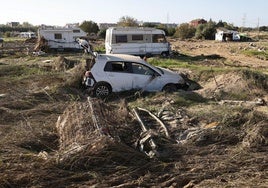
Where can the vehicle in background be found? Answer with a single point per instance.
(120, 72)
(61, 38)
(28, 35)
(136, 41)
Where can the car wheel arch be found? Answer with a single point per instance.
(170, 87)
(102, 85)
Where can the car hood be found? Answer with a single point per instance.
(171, 75)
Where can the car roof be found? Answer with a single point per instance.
(120, 57)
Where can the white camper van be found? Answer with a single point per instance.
(60, 38)
(136, 41)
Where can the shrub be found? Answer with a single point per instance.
(206, 31)
(185, 31)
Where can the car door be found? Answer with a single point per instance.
(118, 75)
(145, 78)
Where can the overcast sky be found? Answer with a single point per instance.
(246, 13)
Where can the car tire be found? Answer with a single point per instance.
(164, 54)
(102, 90)
(170, 88)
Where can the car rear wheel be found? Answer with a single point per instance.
(165, 54)
(102, 90)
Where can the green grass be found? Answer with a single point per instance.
(255, 53)
(180, 63)
(13, 39)
(19, 71)
(199, 71)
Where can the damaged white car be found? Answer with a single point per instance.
(117, 72)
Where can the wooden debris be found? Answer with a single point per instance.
(236, 102)
(147, 136)
(158, 120)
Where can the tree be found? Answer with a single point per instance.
(226, 25)
(162, 27)
(127, 21)
(148, 24)
(263, 28)
(102, 33)
(89, 27)
(185, 31)
(206, 31)
(26, 24)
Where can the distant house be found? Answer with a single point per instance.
(13, 24)
(61, 38)
(171, 25)
(197, 22)
(224, 34)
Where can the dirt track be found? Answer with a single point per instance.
(228, 50)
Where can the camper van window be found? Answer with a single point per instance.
(57, 36)
(137, 37)
(76, 31)
(120, 38)
(159, 38)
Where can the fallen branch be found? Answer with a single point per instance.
(148, 137)
(94, 117)
(236, 102)
(158, 120)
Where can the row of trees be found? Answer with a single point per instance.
(202, 31)
(125, 21)
(183, 31)
(7, 31)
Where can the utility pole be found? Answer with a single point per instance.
(243, 22)
(167, 20)
(258, 27)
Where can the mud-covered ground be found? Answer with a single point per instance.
(217, 133)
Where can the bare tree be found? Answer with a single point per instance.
(127, 21)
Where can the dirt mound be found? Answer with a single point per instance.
(237, 85)
(256, 136)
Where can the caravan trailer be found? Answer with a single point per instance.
(27, 35)
(136, 41)
(60, 38)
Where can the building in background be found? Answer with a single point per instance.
(13, 24)
(197, 22)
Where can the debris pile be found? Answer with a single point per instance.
(256, 136)
(63, 64)
(94, 133)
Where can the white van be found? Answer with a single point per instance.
(136, 41)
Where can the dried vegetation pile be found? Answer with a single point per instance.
(51, 135)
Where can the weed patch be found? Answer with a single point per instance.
(255, 53)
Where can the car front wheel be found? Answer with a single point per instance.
(170, 88)
(102, 90)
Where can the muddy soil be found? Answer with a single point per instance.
(49, 136)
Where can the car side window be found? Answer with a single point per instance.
(142, 69)
(116, 66)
